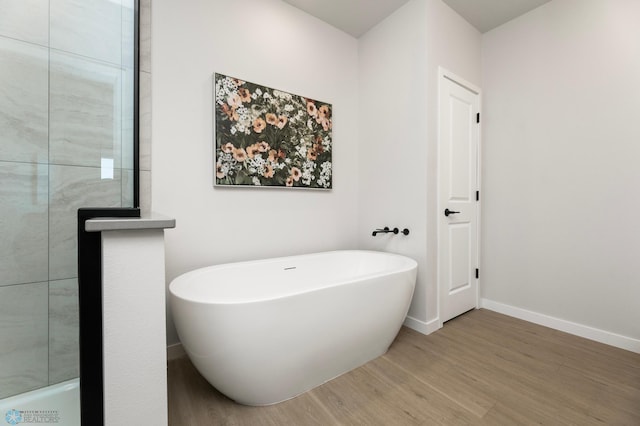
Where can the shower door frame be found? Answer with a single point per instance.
(90, 268)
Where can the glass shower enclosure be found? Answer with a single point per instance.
(67, 106)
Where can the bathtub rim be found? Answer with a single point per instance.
(411, 264)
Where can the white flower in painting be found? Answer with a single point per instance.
(325, 174)
(226, 164)
(302, 149)
(256, 181)
(282, 95)
(256, 164)
(258, 91)
(310, 124)
(222, 91)
(243, 114)
(307, 172)
(288, 107)
(326, 143)
(233, 130)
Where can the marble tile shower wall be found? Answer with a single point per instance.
(66, 130)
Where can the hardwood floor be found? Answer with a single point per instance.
(482, 368)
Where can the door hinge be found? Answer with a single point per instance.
(477, 195)
(477, 117)
(477, 273)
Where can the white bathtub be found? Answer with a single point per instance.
(56, 404)
(262, 332)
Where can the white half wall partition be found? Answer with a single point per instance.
(133, 307)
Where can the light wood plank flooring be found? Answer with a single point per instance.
(482, 368)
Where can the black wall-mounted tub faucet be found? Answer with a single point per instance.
(386, 230)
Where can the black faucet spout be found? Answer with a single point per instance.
(385, 230)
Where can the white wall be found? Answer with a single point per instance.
(393, 134)
(267, 42)
(561, 199)
(398, 77)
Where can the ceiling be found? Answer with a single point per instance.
(356, 17)
(485, 15)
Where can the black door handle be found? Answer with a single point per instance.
(447, 212)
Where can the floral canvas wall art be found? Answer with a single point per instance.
(268, 137)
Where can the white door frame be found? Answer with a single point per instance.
(446, 74)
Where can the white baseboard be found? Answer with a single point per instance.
(585, 331)
(175, 351)
(421, 326)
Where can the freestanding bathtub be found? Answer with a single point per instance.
(262, 332)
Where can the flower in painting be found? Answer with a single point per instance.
(256, 165)
(259, 125)
(268, 137)
(307, 172)
(318, 145)
(240, 154)
(326, 144)
(245, 95)
(268, 171)
(220, 171)
(282, 121)
(271, 119)
(323, 111)
(311, 109)
(232, 112)
(295, 173)
(263, 146)
(325, 174)
(234, 100)
(253, 150)
(312, 154)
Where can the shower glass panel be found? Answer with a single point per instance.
(67, 90)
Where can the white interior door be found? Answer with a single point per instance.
(457, 205)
